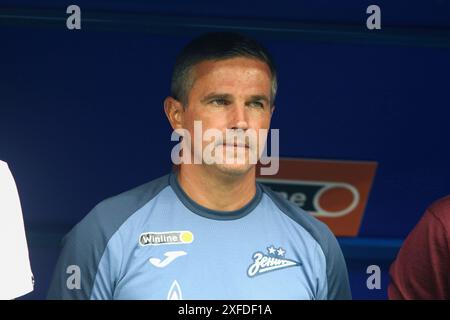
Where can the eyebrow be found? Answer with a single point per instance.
(227, 96)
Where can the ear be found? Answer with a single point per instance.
(272, 109)
(175, 112)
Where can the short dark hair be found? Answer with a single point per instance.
(216, 46)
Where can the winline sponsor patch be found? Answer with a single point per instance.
(168, 237)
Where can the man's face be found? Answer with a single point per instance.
(231, 94)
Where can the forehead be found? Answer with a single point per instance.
(235, 72)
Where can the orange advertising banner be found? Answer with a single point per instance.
(334, 191)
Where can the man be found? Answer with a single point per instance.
(16, 277)
(422, 267)
(208, 230)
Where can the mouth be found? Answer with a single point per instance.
(236, 145)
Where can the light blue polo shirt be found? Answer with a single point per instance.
(154, 242)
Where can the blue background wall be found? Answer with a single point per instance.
(81, 115)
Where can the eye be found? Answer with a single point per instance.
(256, 104)
(220, 102)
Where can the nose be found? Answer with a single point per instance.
(239, 118)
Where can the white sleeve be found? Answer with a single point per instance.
(16, 278)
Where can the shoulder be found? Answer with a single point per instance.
(85, 245)
(435, 222)
(126, 203)
(108, 215)
(421, 266)
(337, 283)
(4, 168)
(316, 228)
(440, 210)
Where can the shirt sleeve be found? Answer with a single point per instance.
(16, 278)
(77, 275)
(338, 285)
(90, 262)
(421, 269)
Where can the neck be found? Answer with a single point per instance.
(217, 191)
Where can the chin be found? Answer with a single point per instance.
(234, 169)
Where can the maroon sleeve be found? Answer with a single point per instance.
(422, 267)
